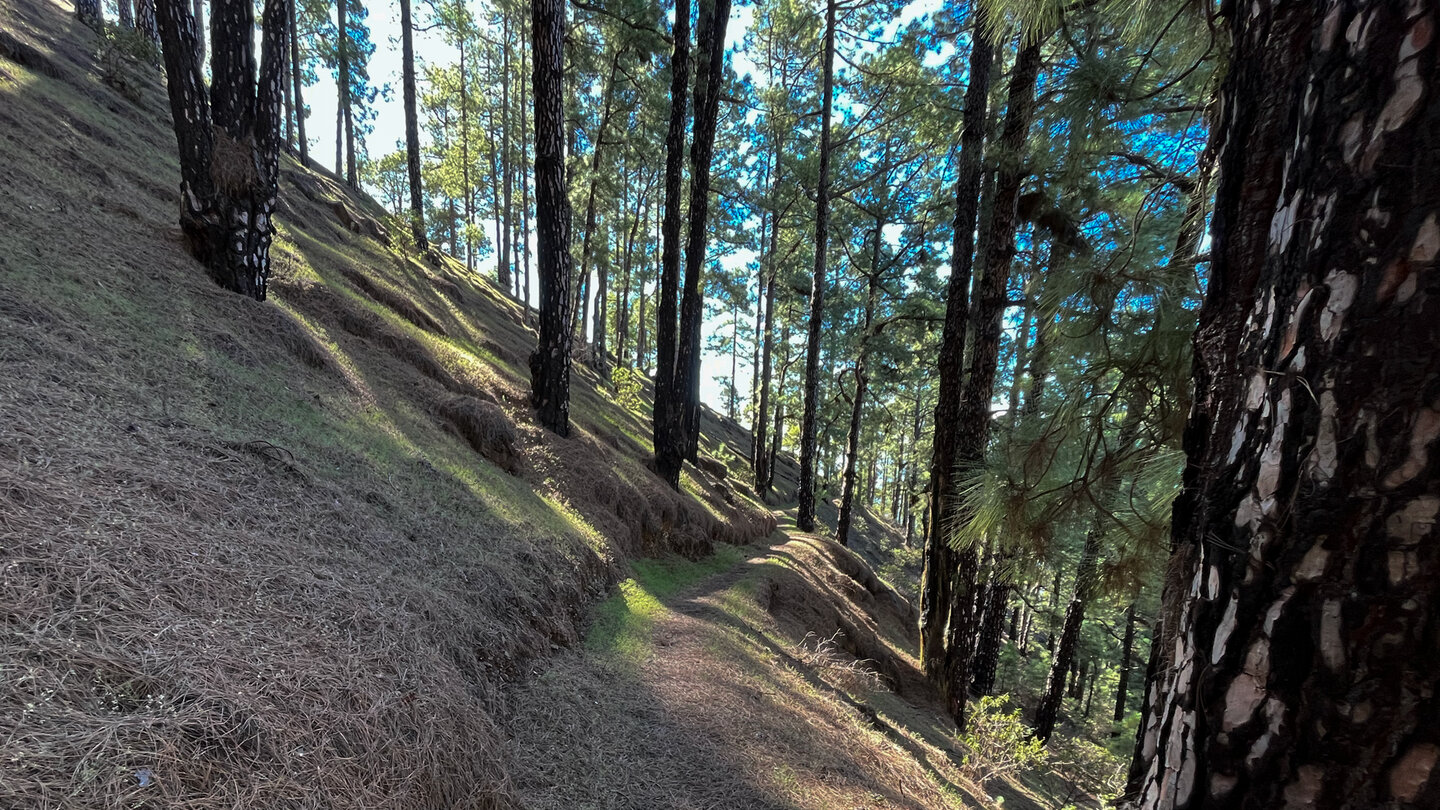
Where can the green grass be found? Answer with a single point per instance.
(624, 622)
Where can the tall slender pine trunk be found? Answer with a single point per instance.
(669, 441)
(979, 386)
(937, 577)
(709, 73)
(412, 129)
(805, 518)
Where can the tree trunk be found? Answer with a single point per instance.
(583, 282)
(412, 129)
(709, 73)
(666, 419)
(88, 12)
(1127, 650)
(857, 408)
(550, 364)
(940, 559)
(763, 473)
(342, 78)
(524, 185)
(1299, 666)
(506, 169)
(805, 519)
(979, 387)
(229, 146)
(199, 12)
(987, 647)
(126, 11)
(145, 20)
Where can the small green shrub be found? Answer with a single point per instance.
(1088, 766)
(998, 742)
(124, 55)
(627, 382)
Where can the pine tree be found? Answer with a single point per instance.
(550, 364)
(229, 144)
(1297, 618)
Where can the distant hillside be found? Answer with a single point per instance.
(283, 554)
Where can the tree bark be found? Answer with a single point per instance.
(1298, 664)
(229, 145)
(297, 82)
(88, 12)
(666, 419)
(805, 519)
(583, 282)
(506, 168)
(412, 129)
(1127, 651)
(857, 406)
(145, 20)
(709, 73)
(126, 11)
(940, 558)
(550, 364)
(979, 387)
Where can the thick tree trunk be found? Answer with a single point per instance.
(935, 581)
(709, 73)
(550, 364)
(667, 418)
(1299, 665)
(229, 145)
(805, 519)
(126, 11)
(412, 129)
(199, 12)
(979, 387)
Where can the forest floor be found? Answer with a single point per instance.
(772, 676)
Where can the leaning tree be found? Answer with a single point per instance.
(229, 139)
(1297, 664)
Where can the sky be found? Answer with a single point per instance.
(389, 133)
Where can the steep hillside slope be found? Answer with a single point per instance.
(272, 555)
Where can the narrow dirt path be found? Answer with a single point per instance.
(713, 710)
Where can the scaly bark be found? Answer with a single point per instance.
(1298, 666)
(936, 578)
(229, 144)
(550, 364)
(666, 418)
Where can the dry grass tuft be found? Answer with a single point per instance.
(827, 655)
(487, 428)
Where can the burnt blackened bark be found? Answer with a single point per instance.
(709, 73)
(805, 518)
(973, 412)
(669, 441)
(229, 144)
(1298, 666)
(935, 580)
(412, 129)
(550, 364)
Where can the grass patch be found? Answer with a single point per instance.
(623, 622)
